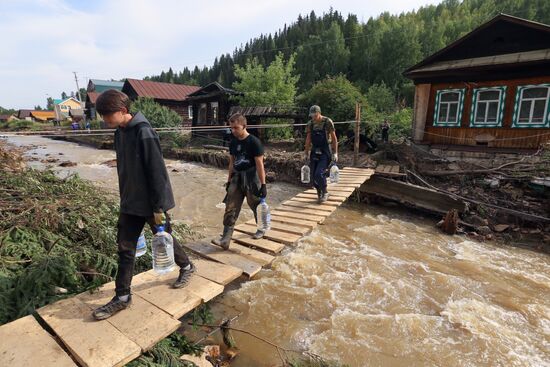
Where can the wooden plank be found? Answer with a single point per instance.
(260, 257)
(313, 193)
(310, 200)
(143, 323)
(26, 343)
(293, 214)
(333, 198)
(395, 169)
(320, 207)
(262, 243)
(92, 343)
(277, 236)
(158, 290)
(217, 272)
(293, 221)
(215, 253)
(288, 228)
(303, 212)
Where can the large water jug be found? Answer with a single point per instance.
(264, 217)
(141, 247)
(305, 173)
(334, 174)
(163, 251)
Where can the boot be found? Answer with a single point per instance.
(225, 239)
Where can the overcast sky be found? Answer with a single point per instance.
(44, 41)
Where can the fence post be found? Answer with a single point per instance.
(357, 124)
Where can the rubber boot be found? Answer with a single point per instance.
(225, 239)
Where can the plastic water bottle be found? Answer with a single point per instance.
(334, 174)
(305, 173)
(141, 247)
(163, 251)
(264, 220)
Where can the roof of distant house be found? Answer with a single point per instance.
(92, 96)
(43, 115)
(158, 90)
(103, 85)
(4, 117)
(21, 114)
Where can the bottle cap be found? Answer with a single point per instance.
(160, 228)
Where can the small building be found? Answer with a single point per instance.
(490, 88)
(24, 115)
(91, 98)
(63, 108)
(210, 104)
(173, 96)
(43, 116)
(7, 118)
(98, 85)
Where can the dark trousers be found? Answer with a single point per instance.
(129, 229)
(237, 191)
(318, 165)
(385, 135)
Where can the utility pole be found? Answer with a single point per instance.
(356, 142)
(77, 87)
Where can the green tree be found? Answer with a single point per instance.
(49, 104)
(158, 116)
(337, 97)
(381, 98)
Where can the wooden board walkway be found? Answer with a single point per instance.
(157, 307)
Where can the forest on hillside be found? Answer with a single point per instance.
(371, 53)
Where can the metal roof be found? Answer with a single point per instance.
(43, 115)
(103, 85)
(158, 90)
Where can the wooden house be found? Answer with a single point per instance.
(489, 88)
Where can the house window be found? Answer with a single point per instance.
(487, 107)
(448, 107)
(190, 111)
(531, 108)
(202, 114)
(214, 108)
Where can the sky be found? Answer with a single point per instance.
(45, 41)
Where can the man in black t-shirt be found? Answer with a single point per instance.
(246, 177)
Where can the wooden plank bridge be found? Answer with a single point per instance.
(156, 307)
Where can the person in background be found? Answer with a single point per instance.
(320, 137)
(246, 178)
(385, 131)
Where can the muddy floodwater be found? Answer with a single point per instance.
(371, 287)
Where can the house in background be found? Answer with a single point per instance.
(43, 116)
(173, 96)
(490, 88)
(210, 104)
(7, 118)
(24, 115)
(62, 108)
(95, 87)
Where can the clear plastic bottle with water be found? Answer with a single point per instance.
(163, 251)
(305, 173)
(264, 217)
(141, 247)
(334, 174)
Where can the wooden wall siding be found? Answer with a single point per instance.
(464, 135)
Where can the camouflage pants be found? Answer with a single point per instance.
(243, 184)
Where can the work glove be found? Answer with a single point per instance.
(159, 218)
(263, 191)
(335, 157)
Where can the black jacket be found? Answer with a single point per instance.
(142, 177)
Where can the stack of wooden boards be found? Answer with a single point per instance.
(156, 306)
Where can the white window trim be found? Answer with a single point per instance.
(500, 108)
(438, 94)
(190, 111)
(517, 104)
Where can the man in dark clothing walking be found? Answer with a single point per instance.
(246, 177)
(385, 131)
(145, 193)
(320, 137)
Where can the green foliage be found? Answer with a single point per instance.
(278, 133)
(274, 85)
(16, 125)
(167, 353)
(202, 315)
(158, 116)
(337, 97)
(381, 98)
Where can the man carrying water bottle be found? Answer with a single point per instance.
(246, 177)
(145, 193)
(321, 135)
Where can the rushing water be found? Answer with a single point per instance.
(371, 287)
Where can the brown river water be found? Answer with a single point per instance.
(372, 287)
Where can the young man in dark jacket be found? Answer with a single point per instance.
(145, 193)
(246, 177)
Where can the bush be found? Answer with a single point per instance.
(20, 124)
(278, 133)
(158, 116)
